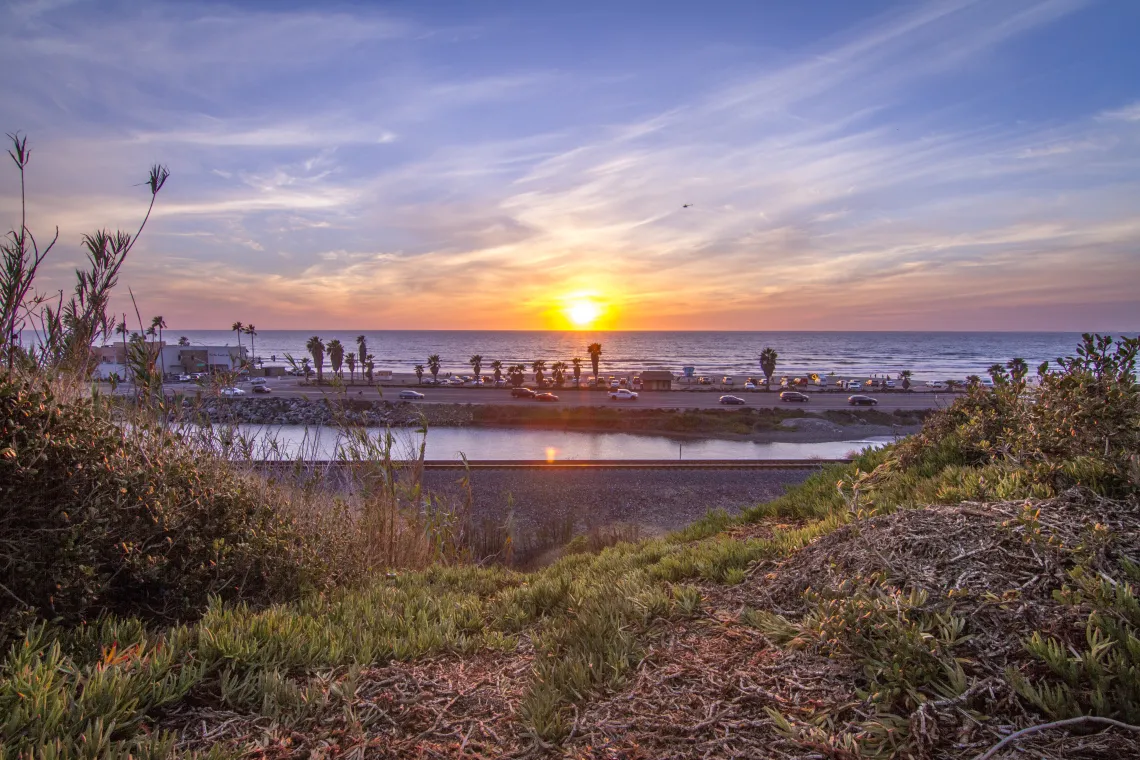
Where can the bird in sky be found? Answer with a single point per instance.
(687, 205)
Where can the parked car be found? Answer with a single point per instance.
(858, 400)
(545, 397)
(726, 380)
(521, 392)
(854, 385)
(795, 396)
(411, 395)
(258, 381)
(185, 379)
(938, 386)
(623, 394)
(704, 381)
(262, 388)
(501, 381)
(750, 386)
(732, 401)
(890, 383)
(231, 391)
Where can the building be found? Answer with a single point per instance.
(656, 380)
(172, 360)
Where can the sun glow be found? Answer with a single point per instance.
(583, 313)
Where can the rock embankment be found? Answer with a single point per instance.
(325, 412)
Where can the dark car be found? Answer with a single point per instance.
(522, 393)
(861, 401)
(732, 401)
(261, 389)
(794, 396)
(545, 397)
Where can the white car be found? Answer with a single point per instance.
(185, 379)
(411, 395)
(854, 385)
(750, 386)
(623, 394)
(232, 391)
(890, 383)
(258, 381)
(938, 386)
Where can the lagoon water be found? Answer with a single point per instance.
(495, 443)
(929, 355)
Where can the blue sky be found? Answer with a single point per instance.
(850, 165)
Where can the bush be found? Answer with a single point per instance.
(97, 517)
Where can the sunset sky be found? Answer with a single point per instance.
(849, 165)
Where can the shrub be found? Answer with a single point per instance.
(97, 517)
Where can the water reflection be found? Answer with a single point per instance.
(551, 445)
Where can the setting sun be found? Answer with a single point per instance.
(583, 313)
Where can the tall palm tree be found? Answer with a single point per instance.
(336, 355)
(123, 330)
(184, 341)
(433, 366)
(539, 366)
(316, 347)
(768, 364)
(251, 331)
(369, 366)
(497, 368)
(350, 359)
(516, 374)
(577, 362)
(1018, 369)
(476, 363)
(558, 369)
(362, 348)
(419, 370)
(905, 376)
(239, 328)
(973, 381)
(160, 324)
(595, 352)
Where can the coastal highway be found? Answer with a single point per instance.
(890, 401)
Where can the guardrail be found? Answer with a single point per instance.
(613, 464)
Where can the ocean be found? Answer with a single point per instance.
(929, 355)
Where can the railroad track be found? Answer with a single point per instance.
(600, 464)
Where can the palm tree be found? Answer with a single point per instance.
(369, 366)
(433, 366)
(362, 347)
(184, 341)
(539, 366)
(577, 362)
(251, 331)
(595, 352)
(476, 363)
(238, 327)
(998, 374)
(905, 376)
(973, 381)
(306, 368)
(316, 347)
(516, 374)
(123, 330)
(160, 324)
(1018, 369)
(768, 364)
(350, 359)
(419, 370)
(951, 385)
(497, 368)
(558, 369)
(336, 355)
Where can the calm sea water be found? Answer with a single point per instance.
(940, 355)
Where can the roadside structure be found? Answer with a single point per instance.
(656, 380)
(177, 360)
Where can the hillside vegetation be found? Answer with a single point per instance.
(929, 600)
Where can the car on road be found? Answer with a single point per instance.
(185, 379)
(258, 381)
(860, 400)
(231, 391)
(545, 397)
(261, 388)
(521, 392)
(732, 401)
(411, 395)
(623, 394)
(795, 396)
